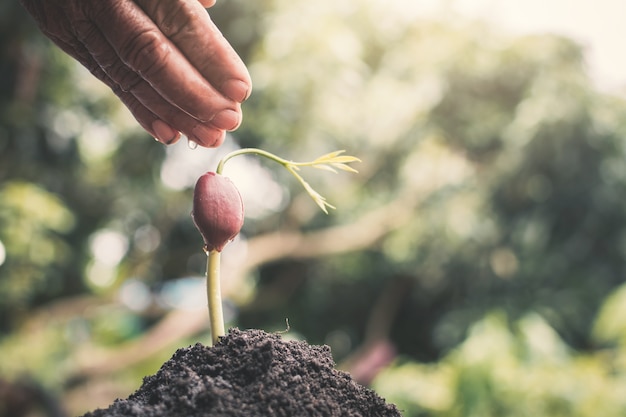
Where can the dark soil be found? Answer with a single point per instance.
(250, 373)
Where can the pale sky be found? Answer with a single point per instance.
(598, 25)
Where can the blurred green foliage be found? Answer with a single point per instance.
(31, 221)
(520, 368)
(486, 226)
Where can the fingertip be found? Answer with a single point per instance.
(207, 136)
(219, 140)
(227, 119)
(165, 133)
(207, 3)
(236, 90)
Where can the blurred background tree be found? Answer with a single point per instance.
(477, 257)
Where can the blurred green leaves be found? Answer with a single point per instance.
(610, 325)
(33, 223)
(517, 369)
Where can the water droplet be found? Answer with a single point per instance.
(191, 144)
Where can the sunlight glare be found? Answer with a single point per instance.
(3, 253)
(108, 246)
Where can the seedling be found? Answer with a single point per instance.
(218, 214)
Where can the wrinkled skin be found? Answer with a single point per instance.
(217, 210)
(165, 59)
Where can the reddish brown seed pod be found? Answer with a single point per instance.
(217, 210)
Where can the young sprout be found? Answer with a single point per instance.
(218, 214)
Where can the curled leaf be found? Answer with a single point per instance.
(332, 162)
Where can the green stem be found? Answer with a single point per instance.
(291, 166)
(214, 295)
(255, 151)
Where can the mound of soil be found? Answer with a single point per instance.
(250, 373)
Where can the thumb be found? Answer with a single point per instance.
(207, 3)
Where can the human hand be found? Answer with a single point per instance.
(165, 59)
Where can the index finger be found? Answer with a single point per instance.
(143, 47)
(191, 29)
